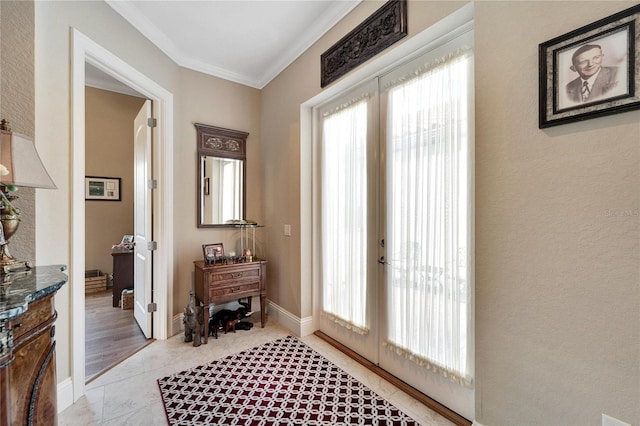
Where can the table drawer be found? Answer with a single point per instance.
(40, 313)
(220, 277)
(233, 290)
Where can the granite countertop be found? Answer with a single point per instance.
(25, 288)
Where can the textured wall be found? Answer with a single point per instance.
(17, 104)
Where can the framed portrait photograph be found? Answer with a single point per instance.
(591, 71)
(212, 251)
(101, 188)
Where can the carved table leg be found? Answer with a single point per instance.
(205, 326)
(263, 313)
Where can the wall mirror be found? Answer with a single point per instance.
(221, 176)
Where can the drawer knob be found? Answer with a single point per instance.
(236, 275)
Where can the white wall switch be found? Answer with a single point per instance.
(287, 230)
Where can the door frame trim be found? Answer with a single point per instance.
(83, 49)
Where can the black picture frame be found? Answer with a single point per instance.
(609, 45)
(98, 188)
(383, 28)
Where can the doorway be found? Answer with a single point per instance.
(84, 50)
(111, 332)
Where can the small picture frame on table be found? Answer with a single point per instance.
(212, 252)
(592, 71)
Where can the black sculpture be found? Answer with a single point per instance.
(193, 322)
(220, 319)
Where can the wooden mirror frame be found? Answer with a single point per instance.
(223, 143)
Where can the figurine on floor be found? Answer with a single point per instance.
(220, 319)
(193, 322)
(231, 326)
(244, 325)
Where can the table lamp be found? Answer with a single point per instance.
(20, 166)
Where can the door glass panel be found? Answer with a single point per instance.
(344, 216)
(428, 216)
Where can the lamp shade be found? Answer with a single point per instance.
(19, 156)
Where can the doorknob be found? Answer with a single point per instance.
(381, 260)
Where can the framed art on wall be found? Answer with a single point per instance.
(592, 71)
(101, 188)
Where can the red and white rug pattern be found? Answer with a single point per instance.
(283, 382)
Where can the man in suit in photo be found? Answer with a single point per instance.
(594, 80)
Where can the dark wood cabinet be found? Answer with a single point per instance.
(227, 282)
(34, 366)
(28, 385)
(122, 273)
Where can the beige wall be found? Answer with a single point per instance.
(557, 276)
(221, 103)
(109, 153)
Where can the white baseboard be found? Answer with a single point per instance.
(298, 326)
(306, 326)
(177, 325)
(65, 394)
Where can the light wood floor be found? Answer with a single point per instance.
(111, 334)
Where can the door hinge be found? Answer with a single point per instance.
(152, 245)
(152, 307)
(152, 184)
(152, 122)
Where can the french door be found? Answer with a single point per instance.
(348, 157)
(396, 195)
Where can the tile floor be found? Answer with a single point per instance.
(128, 394)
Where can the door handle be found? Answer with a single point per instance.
(381, 260)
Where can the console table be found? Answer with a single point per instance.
(122, 273)
(28, 385)
(226, 282)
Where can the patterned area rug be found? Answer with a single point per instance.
(283, 382)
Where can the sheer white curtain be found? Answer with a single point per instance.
(344, 215)
(429, 216)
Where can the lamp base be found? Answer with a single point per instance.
(9, 264)
(16, 266)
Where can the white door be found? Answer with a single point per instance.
(142, 219)
(348, 184)
(427, 203)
